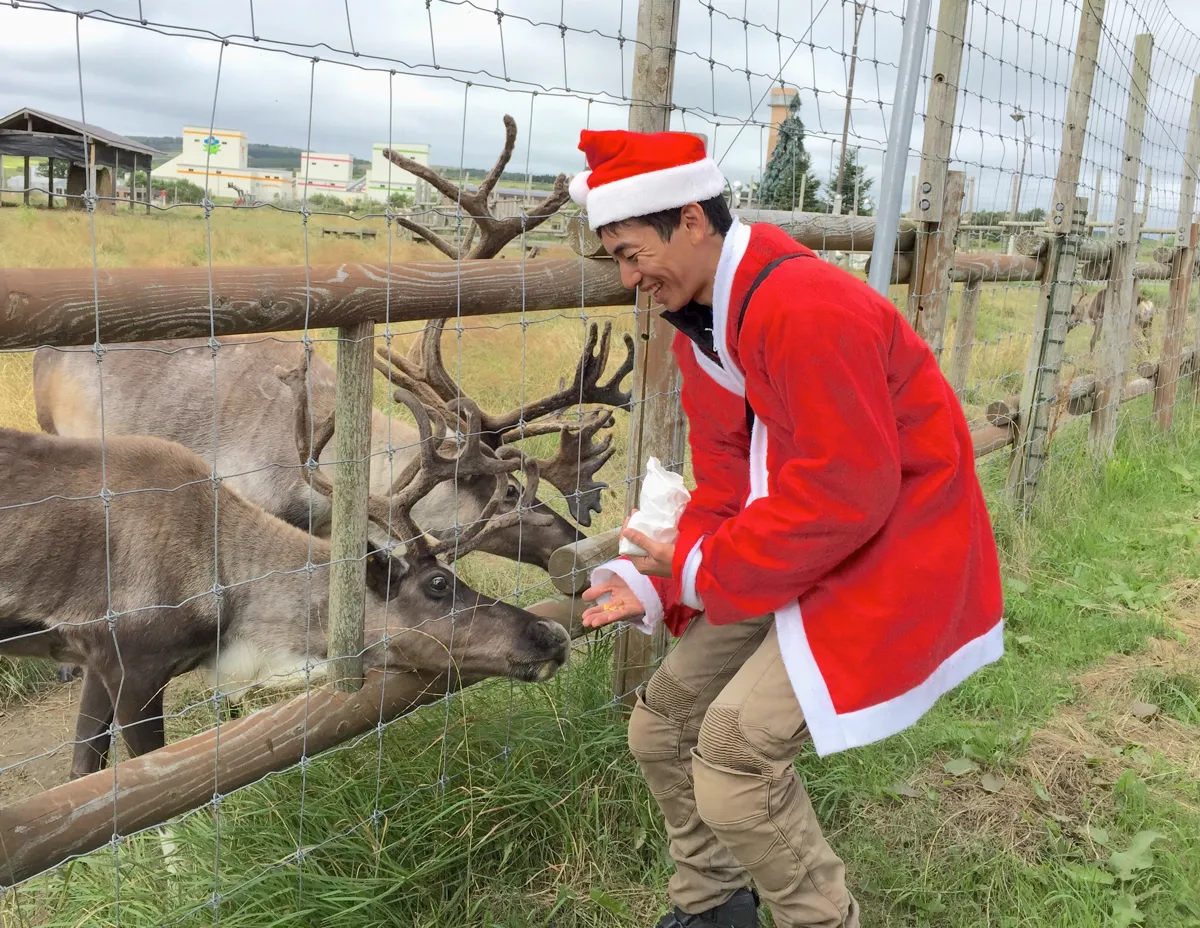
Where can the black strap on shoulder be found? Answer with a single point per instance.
(762, 275)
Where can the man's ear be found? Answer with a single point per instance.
(694, 223)
(384, 571)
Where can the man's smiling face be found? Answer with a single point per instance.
(673, 272)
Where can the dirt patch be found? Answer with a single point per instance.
(35, 736)
(1067, 771)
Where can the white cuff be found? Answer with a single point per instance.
(639, 585)
(687, 583)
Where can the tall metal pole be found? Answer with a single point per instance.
(1015, 211)
(895, 160)
(860, 7)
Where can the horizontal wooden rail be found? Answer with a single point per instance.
(57, 824)
(819, 231)
(1003, 415)
(75, 306)
(571, 565)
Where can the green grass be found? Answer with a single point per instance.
(520, 806)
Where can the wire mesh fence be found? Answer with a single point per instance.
(214, 365)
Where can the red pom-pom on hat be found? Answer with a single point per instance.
(634, 173)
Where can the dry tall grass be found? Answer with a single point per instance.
(179, 237)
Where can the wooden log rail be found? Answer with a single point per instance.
(57, 824)
(1003, 415)
(818, 231)
(61, 307)
(994, 266)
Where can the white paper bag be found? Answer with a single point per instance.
(662, 502)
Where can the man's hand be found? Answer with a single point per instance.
(621, 606)
(656, 562)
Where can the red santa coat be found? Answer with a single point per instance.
(853, 512)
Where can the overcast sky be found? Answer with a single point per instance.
(153, 80)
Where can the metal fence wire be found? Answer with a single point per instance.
(308, 461)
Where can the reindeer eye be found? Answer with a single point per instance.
(513, 493)
(438, 585)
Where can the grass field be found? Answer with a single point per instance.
(1042, 792)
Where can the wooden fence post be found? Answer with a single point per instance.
(348, 530)
(658, 423)
(1035, 428)
(1182, 271)
(1127, 231)
(964, 334)
(1166, 385)
(933, 300)
(1045, 353)
(939, 197)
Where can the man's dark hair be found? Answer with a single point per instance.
(666, 221)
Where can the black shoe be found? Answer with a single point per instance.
(738, 911)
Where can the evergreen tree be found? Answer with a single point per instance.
(787, 172)
(853, 172)
(61, 167)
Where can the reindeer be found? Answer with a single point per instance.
(1090, 308)
(179, 390)
(141, 585)
(169, 392)
(1143, 315)
(239, 421)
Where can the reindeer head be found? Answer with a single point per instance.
(419, 614)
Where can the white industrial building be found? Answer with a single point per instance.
(385, 178)
(330, 174)
(217, 162)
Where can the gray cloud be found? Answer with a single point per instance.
(140, 81)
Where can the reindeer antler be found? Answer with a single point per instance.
(393, 512)
(494, 233)
(572, 470)
(431, 468)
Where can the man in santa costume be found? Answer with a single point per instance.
(834, 572)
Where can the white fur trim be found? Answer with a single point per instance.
(732, 252)
(687, 584)
(832, 732)
(653, 191)
(887, 718)
(578, 187)
(639, 585)
(759, 486)
(718, 374)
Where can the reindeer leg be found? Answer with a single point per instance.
(91, 727)
(140, 713)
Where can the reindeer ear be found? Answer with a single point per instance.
(385, 571)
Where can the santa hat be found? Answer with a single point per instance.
(636, 173)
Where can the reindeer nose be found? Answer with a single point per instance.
(554, 632)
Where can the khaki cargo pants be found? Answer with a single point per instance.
(715, 731)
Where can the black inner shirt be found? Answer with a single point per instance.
(696, 322)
